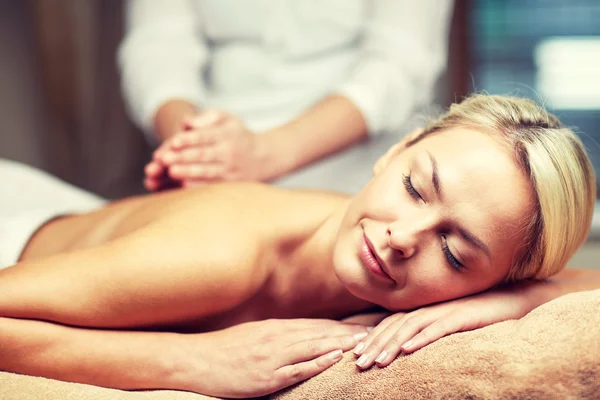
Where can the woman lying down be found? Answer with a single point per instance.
(236, 290)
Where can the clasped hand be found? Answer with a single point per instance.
(212, 146)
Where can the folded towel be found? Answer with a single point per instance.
(552, 353)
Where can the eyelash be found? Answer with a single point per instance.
(410, 188)
(454, 263)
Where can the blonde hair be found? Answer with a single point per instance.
(555, 161)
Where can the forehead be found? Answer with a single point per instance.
(483, 188)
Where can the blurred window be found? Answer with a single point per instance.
(548, 50)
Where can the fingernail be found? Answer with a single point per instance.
(336, 355)
(358, 349)
(370, 328)
(362, 361)
(360, 336)
(381, 357)
(177, 142)
(407, 345)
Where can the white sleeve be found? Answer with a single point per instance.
(404, 51)
(161, 57)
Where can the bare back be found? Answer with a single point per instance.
(244, 233)
(258, 210)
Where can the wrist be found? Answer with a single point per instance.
(184, 365)
(272, 156)
(169, 116)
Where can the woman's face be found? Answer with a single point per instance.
(443, 219)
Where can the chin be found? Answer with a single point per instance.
(352, 276)
(355, 279)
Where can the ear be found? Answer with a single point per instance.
(393, 151)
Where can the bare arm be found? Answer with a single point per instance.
(175, 268)
(247, 360)
(331, 125)
(168, 119)
(569, 280)
(124, 360)
(408, 332)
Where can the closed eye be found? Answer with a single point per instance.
(410, 188)
(453, 261)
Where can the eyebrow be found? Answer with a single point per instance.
(435, 179)
(474, 240)
(468, 236)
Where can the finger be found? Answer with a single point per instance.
(153, 169)
(433, 332)
(204, 119)
(374, 333)
(311, 349)
(292, 374)
(155, 185)
(151, 185)
(196, 171)
(394, 336)
(155, 176)
(193, 155)
(195, 137)
(163, 182)
(405, 339)
(162, 149)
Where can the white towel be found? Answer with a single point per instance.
(30, 198)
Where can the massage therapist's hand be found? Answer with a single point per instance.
(216, 146)
(157, 172)
(408, 332)
(257, 358)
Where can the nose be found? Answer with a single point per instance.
(403, 239)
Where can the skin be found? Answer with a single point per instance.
(206, 146)
(244, 266)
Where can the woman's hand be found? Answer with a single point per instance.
(408, 332)
(213, 146)
(258, 358)
(157, 173)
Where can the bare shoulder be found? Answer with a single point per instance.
(242, 205)
(234, 227)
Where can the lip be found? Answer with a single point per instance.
(371, 260)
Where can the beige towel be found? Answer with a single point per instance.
(21, 387)
(552, 353)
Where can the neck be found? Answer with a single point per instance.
(315, 256)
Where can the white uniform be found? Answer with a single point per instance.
(267, 61)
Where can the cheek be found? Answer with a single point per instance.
(429, 282)
(443, 284)
(380, 199)
(434, 284)
(345, 249)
